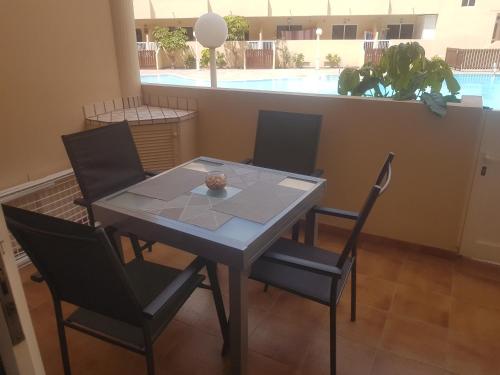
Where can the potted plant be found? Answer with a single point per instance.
(404, 73)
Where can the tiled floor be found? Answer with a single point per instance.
(418, 314)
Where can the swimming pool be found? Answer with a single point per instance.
(485, 85)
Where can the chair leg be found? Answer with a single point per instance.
(149, 353)
(266, 287)
(62, 338)
(353, 291)
(296, 231)
(333, 339)
(219, 303)
(136, 246)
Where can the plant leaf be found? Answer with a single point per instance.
(435, 102)
(348, 81)
(452, 84)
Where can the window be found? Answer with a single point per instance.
(468, 3)
(284, 28)
(406, 31)
(344, 31)
(138, 35)
(400, 31)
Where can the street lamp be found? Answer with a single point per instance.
(197, 58)
(211, 32)
(319, 31)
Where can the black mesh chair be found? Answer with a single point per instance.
(105, 160)
(125, 305)
(289, 142)
(318, 274)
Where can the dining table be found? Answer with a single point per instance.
(232, 226)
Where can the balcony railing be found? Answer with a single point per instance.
(474, 59)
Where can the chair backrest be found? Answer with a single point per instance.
(104, 160)
(77, 262)
(287, 141)
(375, 192)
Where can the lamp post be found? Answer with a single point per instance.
(319, 31)
(197, 58)
(211, 32)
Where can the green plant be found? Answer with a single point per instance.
(404, 73)
(205, 58)
(237, 27)
(171, 41)
(285, 56)
(298, 60)
(333, 60)
(190, 61)
(220, 60)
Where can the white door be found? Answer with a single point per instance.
(481, 238)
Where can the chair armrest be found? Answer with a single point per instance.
(308, 265)
(81, 202)
(336, 212)
(166, 296)
(317, 173)
(247, 161)
(150, 173)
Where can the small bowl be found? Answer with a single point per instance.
(216, 180)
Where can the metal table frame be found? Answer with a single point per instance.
(237, 255)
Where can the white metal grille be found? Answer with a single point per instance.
(53, 195)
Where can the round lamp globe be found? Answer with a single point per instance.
(211, 30)
(319, 31)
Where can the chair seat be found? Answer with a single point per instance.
(305, 283)
(148, 281)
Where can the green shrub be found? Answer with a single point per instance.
(205, 58)
(298, 60)
(333, 60)
(171, 41)
(285, 57)
(189, 61)
(220, 60)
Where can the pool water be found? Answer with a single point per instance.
(485, 85)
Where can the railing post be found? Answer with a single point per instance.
(274, 54)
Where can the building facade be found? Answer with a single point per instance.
(345, 24)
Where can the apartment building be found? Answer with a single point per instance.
(437, 24)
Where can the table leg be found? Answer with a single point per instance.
(238, 325)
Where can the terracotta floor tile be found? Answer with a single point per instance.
(377, 265)
(427, 276)
(475, 321)
(472, 355)
(283, 340)
(416, 340)
(383, 249)
(352, 358)
(289, 335)
(413, 303)
(374, 292)
(480, 291)
(259, 364)
(368, 327)
(478, 269)
(391, 364)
